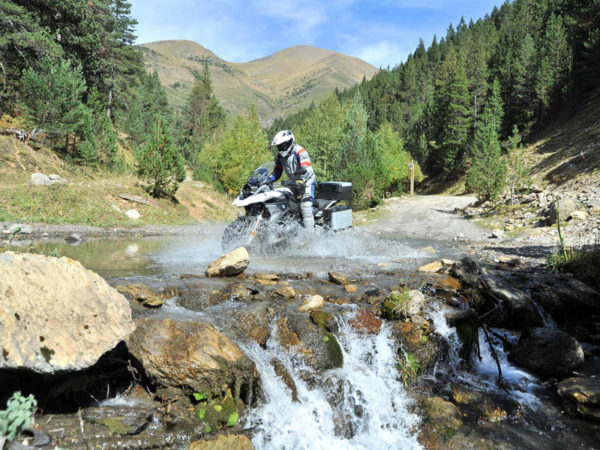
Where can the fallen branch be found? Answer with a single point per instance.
(501, 382)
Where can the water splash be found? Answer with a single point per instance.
(370, 409)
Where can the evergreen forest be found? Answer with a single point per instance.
(71, 78)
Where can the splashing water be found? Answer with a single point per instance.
(449, 334)
(371, 407)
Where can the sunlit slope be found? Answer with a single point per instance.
(279, 84)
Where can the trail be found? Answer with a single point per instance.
(429, 217)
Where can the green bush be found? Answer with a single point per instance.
(17, 416)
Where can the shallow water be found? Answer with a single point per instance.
(356, 249)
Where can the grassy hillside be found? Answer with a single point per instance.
(90, 197)
(278, 85)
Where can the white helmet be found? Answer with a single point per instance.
(284, 141)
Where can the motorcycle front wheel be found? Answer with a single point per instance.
(239, 232)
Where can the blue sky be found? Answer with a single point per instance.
(381, 32)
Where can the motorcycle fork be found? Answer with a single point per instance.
(254, 229)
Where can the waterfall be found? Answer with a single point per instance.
(362, 405)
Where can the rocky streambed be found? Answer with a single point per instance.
(351, 348)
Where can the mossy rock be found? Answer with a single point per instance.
(321, 318)
(387, 309)
(336, 357)
(218, 413)
(468, 334)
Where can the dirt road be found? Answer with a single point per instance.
(430, 217)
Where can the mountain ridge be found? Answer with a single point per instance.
(278, 84)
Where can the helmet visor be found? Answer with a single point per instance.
(284, 146)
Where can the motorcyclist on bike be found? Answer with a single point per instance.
(296, 162)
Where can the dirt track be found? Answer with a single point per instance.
(430, 217)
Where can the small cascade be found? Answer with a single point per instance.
(361, 405)
(440, 325)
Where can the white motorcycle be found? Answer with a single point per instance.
(271, 210)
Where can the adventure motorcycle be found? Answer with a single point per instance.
(270, 211)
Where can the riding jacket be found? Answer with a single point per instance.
(294, 164)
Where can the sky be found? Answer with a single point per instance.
(381, 32)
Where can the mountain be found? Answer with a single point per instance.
(278, 85)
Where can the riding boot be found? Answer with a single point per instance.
(308, 219)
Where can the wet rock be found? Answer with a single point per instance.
(566, 298)
(191, 356)
(321, 318)
(286, 292)
(253, 322)
(441, 414)
(467, 270)
(547, 352)
(73, 239)
(223, 442)
(483, 407)
(284, 375)
(372, 291)
(366, 321)
(432, 267)
(141, 293)
(402, 304)
(319, 347)
(230, 264)
(517, 310)
(338, 278)
(447, 282)
(312, 302)
(581, 396)
(56, 315)
(119, 420)
(266, 276)
(351, 288)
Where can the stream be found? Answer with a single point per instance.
(364, 404)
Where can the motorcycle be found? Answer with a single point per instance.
(271, 210)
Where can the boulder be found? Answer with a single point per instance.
(338, 278)
(312, 302)
(223, 442)
(566, 298)
(566, 207)
(141, 293)
(467, 270)
(56, 315)
(440, 413)
(230, 264)
(547, 352)
(517, 310)
(133, 214)
(366, 321)
(39, 179)
(581, 396)
(191, 356)
(432, 267)
(403, 304)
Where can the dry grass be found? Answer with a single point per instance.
(92, 197)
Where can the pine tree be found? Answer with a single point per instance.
(53, 98)
(202, 115)
(518, 174)
(487, 174)
(523, 106)
(453, 115)
(555, 65)
(159, 161)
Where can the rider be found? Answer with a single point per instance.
(296, 162)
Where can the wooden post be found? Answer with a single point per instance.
(412, 177)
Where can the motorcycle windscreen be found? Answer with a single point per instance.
(262, 174)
